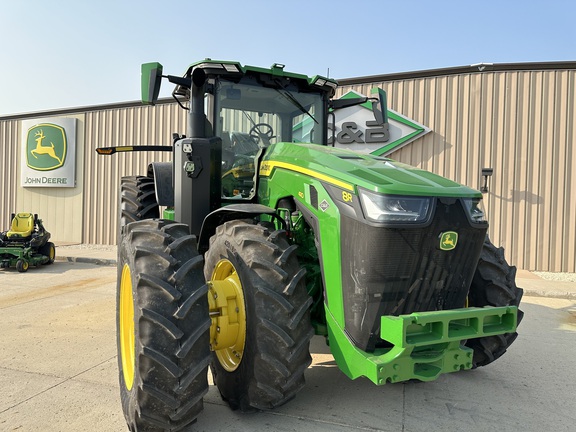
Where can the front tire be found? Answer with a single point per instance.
(264, 368)
(162, 326)
(22, 266)
(493, 285)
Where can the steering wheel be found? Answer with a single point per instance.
(262, 132)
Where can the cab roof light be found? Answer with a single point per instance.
(231, 67)
(209, 65)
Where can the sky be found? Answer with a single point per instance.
(66, 54)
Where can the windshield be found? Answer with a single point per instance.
(249, 117)
(269, 115)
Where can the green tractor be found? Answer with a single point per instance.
(268, 241)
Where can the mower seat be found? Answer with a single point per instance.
(22, 226)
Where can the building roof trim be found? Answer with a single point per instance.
(82, 109)
(457, 70)
(474, 68)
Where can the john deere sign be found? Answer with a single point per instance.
(48, 152)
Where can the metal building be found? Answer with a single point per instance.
(517, 119)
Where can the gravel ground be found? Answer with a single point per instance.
(560, 277)
(89, 246)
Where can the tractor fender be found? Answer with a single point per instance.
(228, 213)
(161, 172)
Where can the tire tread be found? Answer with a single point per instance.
(493, 285)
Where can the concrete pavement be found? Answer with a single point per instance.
(58, 370)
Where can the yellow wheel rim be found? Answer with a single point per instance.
(228, 315)
(126, 324)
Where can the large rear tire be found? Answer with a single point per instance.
(49, 250)
(265, 366)
(137, 199)
(162, 326)
(493, 285)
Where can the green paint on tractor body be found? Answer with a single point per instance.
(326, 183)
(424, 345)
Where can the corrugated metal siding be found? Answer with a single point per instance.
(9, 172)
(521, 124)
(127, 126)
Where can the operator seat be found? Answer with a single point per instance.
(22, 226)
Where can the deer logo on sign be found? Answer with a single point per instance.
(46, 147)
(40, 149)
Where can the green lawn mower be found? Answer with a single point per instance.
(26, 243)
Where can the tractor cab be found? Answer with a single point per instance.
(249, 115)
(249, 109)
(235, 113)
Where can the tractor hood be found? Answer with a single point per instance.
(350, 170)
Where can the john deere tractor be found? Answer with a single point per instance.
(267, 240)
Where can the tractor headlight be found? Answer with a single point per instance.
(474, 209)
(395, 209)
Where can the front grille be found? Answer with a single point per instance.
(395, 271)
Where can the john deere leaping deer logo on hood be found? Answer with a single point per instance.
(448, 240)
(45, 147)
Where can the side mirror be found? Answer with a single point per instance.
(380, 107)
(151, 80)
